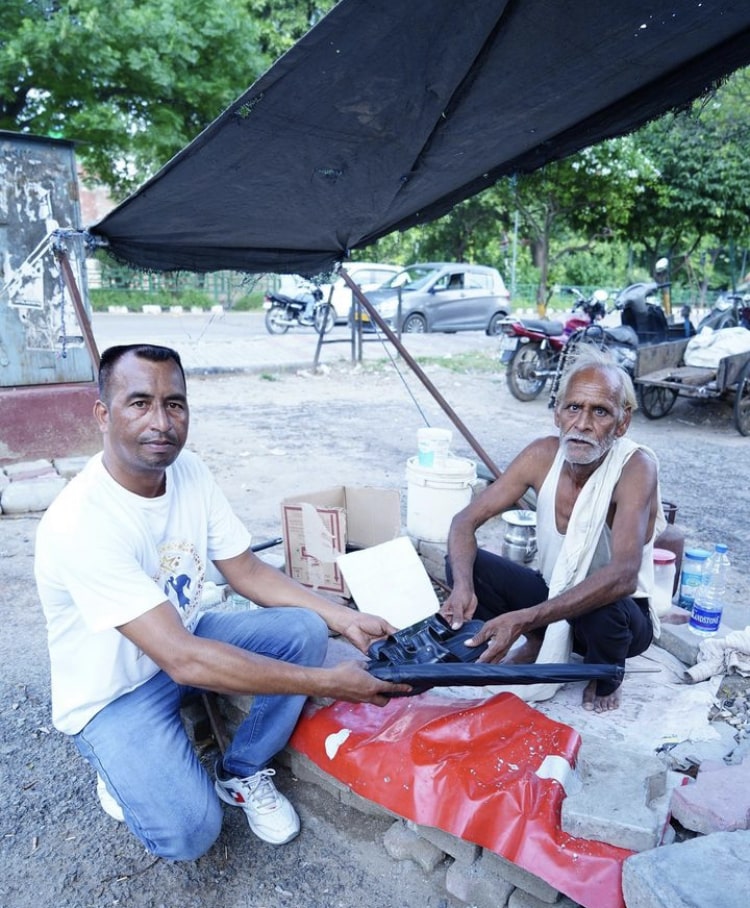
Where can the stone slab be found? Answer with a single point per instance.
(620, 798)
(706, 872)
(31, 495)
(717, 801)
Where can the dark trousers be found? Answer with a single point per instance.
(608, 635)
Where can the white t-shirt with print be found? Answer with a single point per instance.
(105, 556)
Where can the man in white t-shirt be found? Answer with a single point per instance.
(121, 561)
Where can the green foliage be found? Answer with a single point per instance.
(134, 81)
(250, 302)
(102, 298)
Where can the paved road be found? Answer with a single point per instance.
(239, 341)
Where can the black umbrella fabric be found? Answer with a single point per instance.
(457, 674)
(388, 113)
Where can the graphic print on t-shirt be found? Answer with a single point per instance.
(181, 575)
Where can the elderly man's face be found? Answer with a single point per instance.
(590, 416)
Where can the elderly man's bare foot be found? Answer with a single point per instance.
(597, 703)
(525, 653)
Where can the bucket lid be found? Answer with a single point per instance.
(663, 556)
(520, 518)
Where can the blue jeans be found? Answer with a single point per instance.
(139, 746)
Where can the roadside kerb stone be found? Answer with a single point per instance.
(30, 495)
(706, 872)
(459, 849)
(478, 884)
(520, 899)
(622, 798)
(404, 844)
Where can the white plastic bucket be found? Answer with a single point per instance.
(434, 447)
(434, 496)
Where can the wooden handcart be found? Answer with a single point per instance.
(662, 376)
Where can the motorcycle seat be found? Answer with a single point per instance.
(543, 326)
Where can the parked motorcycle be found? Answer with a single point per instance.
(530, 348)
(285, 312)
(642, 322)
(731, 310)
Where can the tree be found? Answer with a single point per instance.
(575, 204)
(701, 198)
(134, 81)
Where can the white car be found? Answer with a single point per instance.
(367, 275)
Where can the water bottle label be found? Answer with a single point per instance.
(688, 588)
(705, 620)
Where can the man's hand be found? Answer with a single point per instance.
(499, 634)
(349, 681)
(362, 629)
(459, 608)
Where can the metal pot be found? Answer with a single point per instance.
(519, 539)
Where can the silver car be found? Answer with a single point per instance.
(442, 296)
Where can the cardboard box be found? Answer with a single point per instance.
(319, 526)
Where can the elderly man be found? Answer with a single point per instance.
(598, 512)
(121, 560)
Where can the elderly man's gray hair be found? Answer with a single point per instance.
(588, 356)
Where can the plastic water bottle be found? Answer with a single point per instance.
(709, 599)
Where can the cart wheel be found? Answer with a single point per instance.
(742, 401)
(655, 401)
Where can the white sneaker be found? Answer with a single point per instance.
(270, 815)
(109, 805)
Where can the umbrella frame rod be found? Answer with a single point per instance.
(417, 370)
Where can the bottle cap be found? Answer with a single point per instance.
(697, 554)
(721, 548)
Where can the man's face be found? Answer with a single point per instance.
(145, 423)
(589, 417)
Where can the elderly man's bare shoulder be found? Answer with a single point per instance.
(537, 457)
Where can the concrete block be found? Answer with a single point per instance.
(478, 885)
(68, 467)
(717, 801)
(521, 899)
(307, 771)
(520, 878)
(29, 469)
(29, 495)
(622, 798)
(709, 871)
(681, 642)
(458, 849)
(404, 844)
(432, 555)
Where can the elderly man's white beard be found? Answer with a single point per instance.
(587, 451)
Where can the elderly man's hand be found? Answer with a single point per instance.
(499, 634)
(459, 608)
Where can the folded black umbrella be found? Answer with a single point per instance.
(431, 654)
(456, 674)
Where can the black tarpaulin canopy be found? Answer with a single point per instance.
(388, 113)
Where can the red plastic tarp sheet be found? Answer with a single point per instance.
(470, 769)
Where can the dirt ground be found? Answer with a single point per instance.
(267, 437)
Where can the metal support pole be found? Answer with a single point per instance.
(414, 366)
(61, 254)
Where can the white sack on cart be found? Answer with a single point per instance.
(708, 347)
